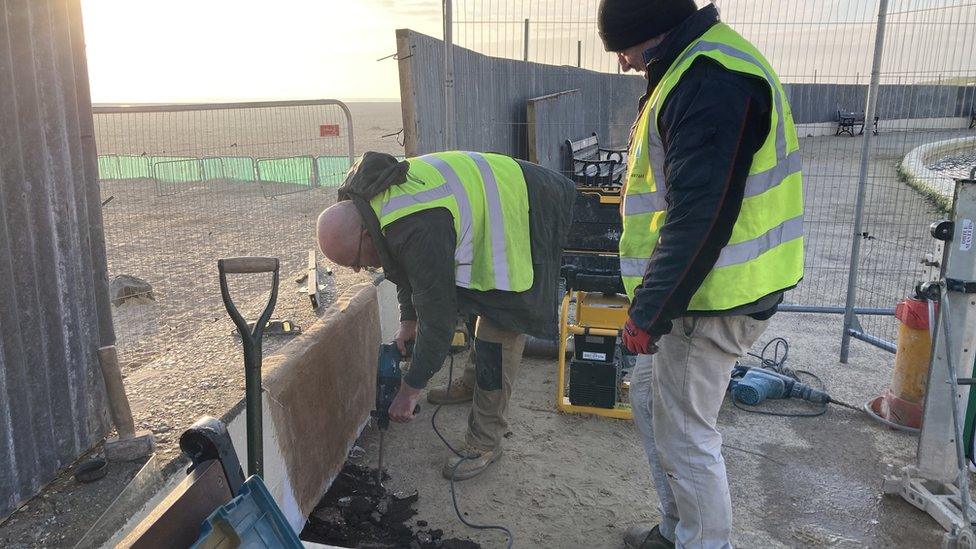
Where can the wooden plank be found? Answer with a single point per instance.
(175, 522)
(408, 98)
(312, 284)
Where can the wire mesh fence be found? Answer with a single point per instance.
(183, 185)
(928, 77)
(823, 53)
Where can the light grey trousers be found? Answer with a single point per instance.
(676, 404)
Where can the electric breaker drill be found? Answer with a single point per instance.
(388, 376)
(751, 386)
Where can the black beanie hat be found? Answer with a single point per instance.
(626, 23)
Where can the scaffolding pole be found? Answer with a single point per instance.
(849, 314)
(449, 134)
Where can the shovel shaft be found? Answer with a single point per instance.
(255, 431)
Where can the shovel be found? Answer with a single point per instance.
(251, 339)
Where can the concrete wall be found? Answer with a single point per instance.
(491, 96)
(319, 390)
(54, 311)
(813, 103)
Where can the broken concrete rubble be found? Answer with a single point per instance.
(358, 512)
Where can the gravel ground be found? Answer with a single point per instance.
(180, 356)
(955, 166)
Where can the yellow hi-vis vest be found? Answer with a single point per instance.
(486, 194)
(765, 252)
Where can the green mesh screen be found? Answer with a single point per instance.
(108, 167)
(296, 170)
(133, 167)
(236, 168)
(176, 170)
(332, 169)
(123, 167)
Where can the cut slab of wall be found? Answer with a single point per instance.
(319, 390)
(936, 186)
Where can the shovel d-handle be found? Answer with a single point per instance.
(246, 265)
(251, 339)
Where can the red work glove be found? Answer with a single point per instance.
(637, 340)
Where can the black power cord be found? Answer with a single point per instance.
(454, 499)
(777, 363)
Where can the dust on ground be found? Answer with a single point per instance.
(63, 513)
(574, 481)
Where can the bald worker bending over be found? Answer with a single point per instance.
(474, 233)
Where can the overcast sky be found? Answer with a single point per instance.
(220, 50)
(213, 50)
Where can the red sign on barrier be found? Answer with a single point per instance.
(329, 130)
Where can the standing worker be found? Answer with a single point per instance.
(713, 236)
(458, 231)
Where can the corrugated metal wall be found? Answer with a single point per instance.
(52, 254)
(490, 96)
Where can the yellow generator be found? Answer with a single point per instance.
(594, 308)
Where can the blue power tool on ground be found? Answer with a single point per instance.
(753, 385)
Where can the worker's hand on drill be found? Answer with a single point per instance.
(402, 409)
(637, 340)
(406, 332)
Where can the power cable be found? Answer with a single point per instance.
(454, 499)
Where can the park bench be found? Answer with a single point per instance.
(589, 165)
(849, 121)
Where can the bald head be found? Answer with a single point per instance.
(338, 231)
(343, 237)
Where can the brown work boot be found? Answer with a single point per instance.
(458, 392)
(472, 464)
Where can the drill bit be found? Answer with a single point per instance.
(846, 405)
(379, 467)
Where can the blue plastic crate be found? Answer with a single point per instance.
(251, 520)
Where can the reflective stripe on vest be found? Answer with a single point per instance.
(642, 203)
(490, 241)
(646, 192)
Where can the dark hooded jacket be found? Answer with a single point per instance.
(712, 124)
(417, 253)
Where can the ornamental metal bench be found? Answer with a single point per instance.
(589, 165)
(850, 121)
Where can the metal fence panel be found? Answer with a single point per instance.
(822, 52)
(52, 401)
(190, 184)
